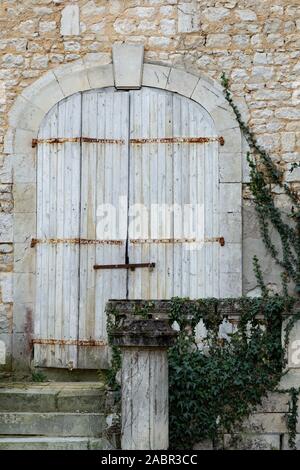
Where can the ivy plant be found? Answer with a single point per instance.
(215, 387)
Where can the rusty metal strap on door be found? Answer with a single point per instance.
(68, 342)
(74, 241)
(131, 266)
(178, 140)
(155, 140)
(140, 241)
(63, 140)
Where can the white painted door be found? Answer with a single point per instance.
(174, 196)
(58, 210)
(136, 156)
(74, 180)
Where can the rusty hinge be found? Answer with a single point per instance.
(131, 266)
(220, 240)
(74, 241)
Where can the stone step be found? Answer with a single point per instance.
(52, 424)
(53, 443)
(86, 397)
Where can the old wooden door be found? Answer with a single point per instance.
(150, 159)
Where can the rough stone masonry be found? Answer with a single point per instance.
(256, 43)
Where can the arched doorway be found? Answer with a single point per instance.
(123, 178)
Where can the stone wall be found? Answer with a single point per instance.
(256, 43)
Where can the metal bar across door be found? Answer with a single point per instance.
(161, 140)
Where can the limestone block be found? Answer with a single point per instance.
(22, 346)
(24, 258)
(231, 227)
(52, 424)
(23, 315)
(11, 61)
(230, 285)
(230, 197)
(288, 141)
(288, 113)
(6, 248)
(25, 115)
(188, 17)
(274, 403)
(294, 347)
(45, 92)
(5, 350)
(168, 27)
(246, 15)
(233, 140)
(218, 40)
(208, 95)
(5, 169)
(6, 287)
(70, 22)
(24, 288)
(18, 140)
(93, 59)
(155, 76)
(24, 197)
(47, 27)
(204, 445)
(253, 441)
(224, 118)
(286, 442)
(5, 318)
(160, 42)
(8, 141)
(182, 82)
(245, 164)
(24, 226)
(230, 258)
(230, 166)
(124, 26)
(100, 76)
(215, 14)
(266, 423)
(91, 9)
(72, 77)
(127, 65)
(24, 167)
(293, 175)
(6, 227)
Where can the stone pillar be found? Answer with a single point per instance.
(145, 410)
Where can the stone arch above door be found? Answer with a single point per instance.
(35, 101)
